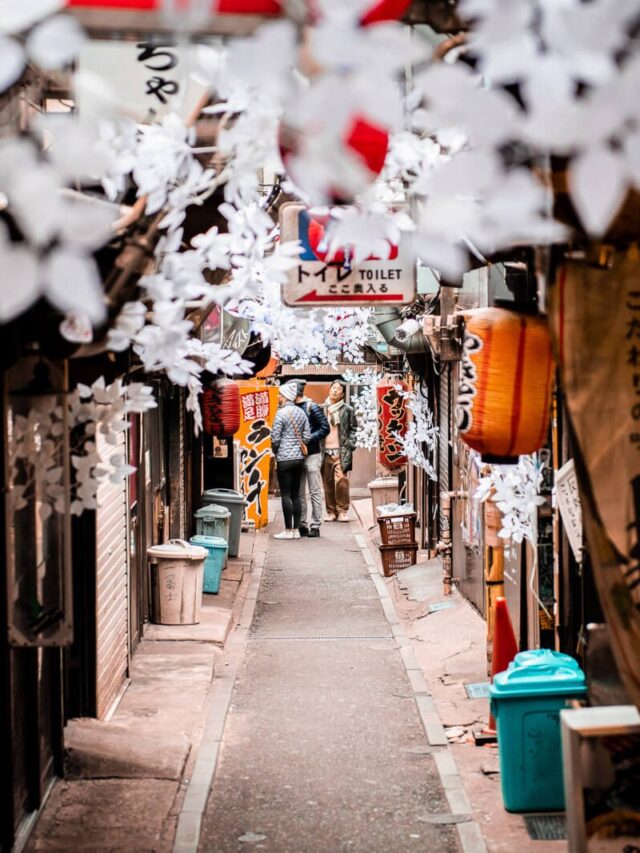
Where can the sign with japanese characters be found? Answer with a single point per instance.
(568, 498)
(392, 423)
(144, 79)
(258, 406)
(317, 280)
(595, 318)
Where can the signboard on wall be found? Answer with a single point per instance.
(568, 498)
(144, 80)
(317, 280)
(594, 315)
(258, 406)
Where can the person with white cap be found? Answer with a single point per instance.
(290, 435)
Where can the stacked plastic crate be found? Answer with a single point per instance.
(398, 548)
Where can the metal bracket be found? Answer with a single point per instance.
(445, 336)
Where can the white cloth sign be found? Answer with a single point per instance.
(568, 498)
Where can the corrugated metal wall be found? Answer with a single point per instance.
(112, 627)
(181, 490)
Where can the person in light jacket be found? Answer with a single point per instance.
(290, 435)
(312, 464)
(338, 453)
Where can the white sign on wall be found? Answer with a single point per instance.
(568, 498)
(142, 79)
(319, 280)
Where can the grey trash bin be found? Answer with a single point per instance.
(214, 520)
(177, 570)
(235, 502)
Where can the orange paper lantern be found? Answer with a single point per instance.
(269, 369)
(505, 383)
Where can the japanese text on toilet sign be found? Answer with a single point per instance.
(320, 280)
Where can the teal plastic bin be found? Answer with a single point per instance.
(216, 555)
(526, 700)
(213, 520)
(235, 502)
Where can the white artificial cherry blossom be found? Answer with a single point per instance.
(36, 468)
(51, 43)
(420, 440)
(365, 405)
(515, 489)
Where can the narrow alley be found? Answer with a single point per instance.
(320, 399)
(324, 747)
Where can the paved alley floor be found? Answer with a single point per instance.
(323, 747)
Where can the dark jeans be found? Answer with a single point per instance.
(289, 477)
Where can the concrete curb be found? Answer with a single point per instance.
(469, 833)
(189, 824)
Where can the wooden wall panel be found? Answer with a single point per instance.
(112, 629)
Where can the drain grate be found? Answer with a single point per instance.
(316, 638)
(546, 827)
(440, 605)
(478, 689)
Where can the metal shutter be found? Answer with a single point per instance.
(112, 627)
(181, 491)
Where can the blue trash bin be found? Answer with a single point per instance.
(216, 555)
(526, 700)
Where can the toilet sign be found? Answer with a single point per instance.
(319, 281)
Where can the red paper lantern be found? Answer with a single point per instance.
(220, 406)
(392, 420)
(249, 7)
(268, 8)
(506, 377)
(385, 10)
(361, 140)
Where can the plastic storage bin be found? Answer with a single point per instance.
(397, 557)
(213, 520)
(526, 700)
(399, 529)
(217, 555)
(177, 570)
(235, 503)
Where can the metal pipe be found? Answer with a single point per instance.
(444, 546)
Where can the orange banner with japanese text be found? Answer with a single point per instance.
(258, 406)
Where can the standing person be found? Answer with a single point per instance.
(289, 436)
(312, 464)
(338, 453)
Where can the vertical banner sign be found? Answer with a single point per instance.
(392, 420)
(258, 406)
(595, 320)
